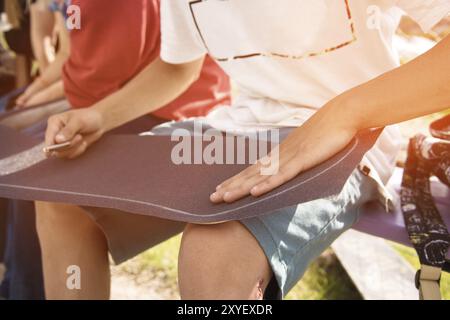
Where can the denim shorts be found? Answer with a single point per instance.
(295, 236)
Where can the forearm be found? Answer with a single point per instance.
(54, 71)
(42, 22)
(157, 85)
(52, 93)
(415, 89)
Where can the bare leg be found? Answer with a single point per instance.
(69, 237)
(222, 262)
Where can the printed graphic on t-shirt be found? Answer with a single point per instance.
(302, 28)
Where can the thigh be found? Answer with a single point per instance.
(130, 234)
(126, 234)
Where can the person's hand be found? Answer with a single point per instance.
(46, 95)
(40, 97)
(321, 137)
(23, 101)
(79, 127)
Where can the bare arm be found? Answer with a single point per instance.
(52, 93)
(42, 24)
(418, 88)
(157, 85)
(54, 71)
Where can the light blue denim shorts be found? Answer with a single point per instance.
(295, 236)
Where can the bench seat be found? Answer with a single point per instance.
(376, 221)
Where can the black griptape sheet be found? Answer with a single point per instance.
(136, 174)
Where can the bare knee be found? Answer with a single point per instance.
(222, 261)
(55, 218)
(219, 239)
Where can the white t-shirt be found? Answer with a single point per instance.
(289, 57)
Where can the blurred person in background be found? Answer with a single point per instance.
(30, 25)
(47, 20)
(18, 38)
(30, 22)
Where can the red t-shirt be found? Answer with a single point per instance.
(116, 41)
